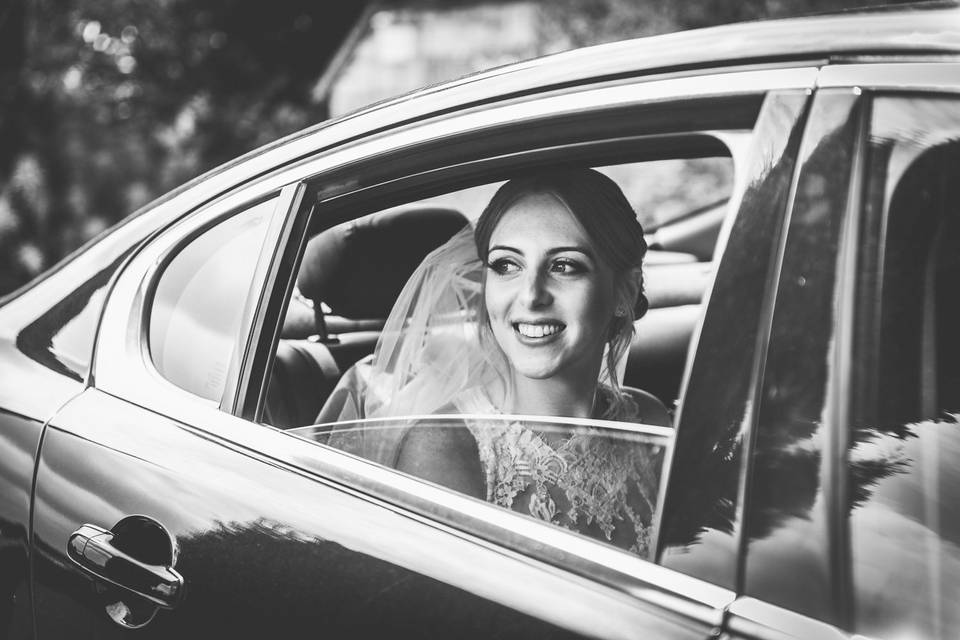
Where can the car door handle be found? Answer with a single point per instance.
(95, 551)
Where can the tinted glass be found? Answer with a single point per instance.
(598, 480)
(199, 302)
(905, 442)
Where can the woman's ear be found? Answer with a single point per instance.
(632, 293)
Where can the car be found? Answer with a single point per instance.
(166, 458)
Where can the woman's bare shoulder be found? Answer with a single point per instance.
(445, 453)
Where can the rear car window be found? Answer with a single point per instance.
(199, 301)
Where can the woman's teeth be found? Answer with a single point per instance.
(537, 330)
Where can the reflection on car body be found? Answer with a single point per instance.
(164, 385)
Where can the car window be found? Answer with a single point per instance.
(600, 477)
(199, 301)
(904, 451)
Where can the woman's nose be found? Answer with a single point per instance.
(535, 292)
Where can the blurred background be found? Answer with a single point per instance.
(107, 104)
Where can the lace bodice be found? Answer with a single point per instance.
(587, 481)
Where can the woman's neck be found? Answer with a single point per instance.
(553, 397)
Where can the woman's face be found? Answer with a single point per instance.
(549, 297)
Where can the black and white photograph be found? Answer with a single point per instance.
(492, 319)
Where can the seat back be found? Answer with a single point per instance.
(357, 270)
(304, 373)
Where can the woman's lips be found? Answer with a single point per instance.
(538, 332)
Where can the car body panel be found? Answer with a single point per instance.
(244, 535)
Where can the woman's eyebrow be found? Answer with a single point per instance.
(552, 251)
(578, 248)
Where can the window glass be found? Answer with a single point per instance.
(199, 302)
(598, 480)
(905, 443)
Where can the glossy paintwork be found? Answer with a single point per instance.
(796, 464)
(703, 515)
(37, 377)
(268, 551)
(904, 437)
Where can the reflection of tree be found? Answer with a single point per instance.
(873, 460)
(262, 579)
(791, 428)
(705, 476)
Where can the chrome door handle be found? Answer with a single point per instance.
(95, 551)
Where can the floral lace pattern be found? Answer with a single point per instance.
(589, 481)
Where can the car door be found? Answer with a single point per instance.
(161, 504)
(851, 519)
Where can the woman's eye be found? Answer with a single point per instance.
(567, 266)
(503, 266)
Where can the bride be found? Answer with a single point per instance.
(528, 314)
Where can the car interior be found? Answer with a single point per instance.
(352, 273)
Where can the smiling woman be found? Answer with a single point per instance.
(528, 315)
(563, 252)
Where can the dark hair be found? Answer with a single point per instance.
(599, 205)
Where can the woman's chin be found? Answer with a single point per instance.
(535, 370)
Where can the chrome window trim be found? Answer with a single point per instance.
(753, 618)
(123, 367)
(631, 427)
(928, 77)
(289, 201)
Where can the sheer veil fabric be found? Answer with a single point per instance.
(431, 350)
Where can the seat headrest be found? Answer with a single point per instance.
(358, 268)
